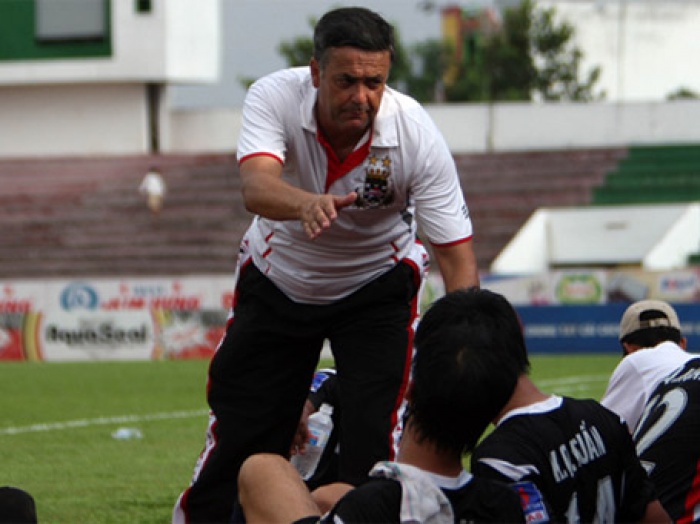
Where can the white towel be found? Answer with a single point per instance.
(422, 501)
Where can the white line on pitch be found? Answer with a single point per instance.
(101, 421)
(572, 380)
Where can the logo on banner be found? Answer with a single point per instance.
(79, 296)
(93, 335)
(9, 303)
(678, 285)
(579, 289)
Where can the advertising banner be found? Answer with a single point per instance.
(591, 329)
(95, 335)
(185, 317)
(113, 319)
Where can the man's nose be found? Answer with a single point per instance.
(360, 93)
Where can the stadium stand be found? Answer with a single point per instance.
(79, 217)
(504, 189)
(653, 175)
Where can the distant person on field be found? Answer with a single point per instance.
(652, 347)
(341, 172)
(579, 454)
(459, 384)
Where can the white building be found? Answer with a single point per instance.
(82, 76)
(89, 77)
(646, 49)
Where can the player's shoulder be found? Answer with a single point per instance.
(486, 500)
(687, 375)
(290, 74)
(377, 500)
(403, 108)
(591, 418)
(289, 81)
(583, 408)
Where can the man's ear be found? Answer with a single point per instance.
(628, 348)
(315, 72)
(683, 343)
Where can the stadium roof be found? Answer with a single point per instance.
(653, 237)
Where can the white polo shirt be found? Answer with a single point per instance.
(636, 376)
(406, 177)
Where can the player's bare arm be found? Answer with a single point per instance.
(457, 264)
(265, 193)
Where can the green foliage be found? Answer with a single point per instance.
(424, 79)
(558, 61)
(298, 52)
(683, 93)
(508, 70)
(532, 57)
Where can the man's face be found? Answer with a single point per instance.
(350, 84)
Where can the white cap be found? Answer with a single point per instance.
(632, 321)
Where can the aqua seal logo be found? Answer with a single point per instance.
(79, 296)
(102, 334)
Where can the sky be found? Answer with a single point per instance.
(252, 30)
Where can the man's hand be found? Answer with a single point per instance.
(301, 437)
(320, 211)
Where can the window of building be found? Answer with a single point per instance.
(70, 20)
(144, 6)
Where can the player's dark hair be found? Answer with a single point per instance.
(470, 352)
(653, 336)
(16, 506)
(354, 27)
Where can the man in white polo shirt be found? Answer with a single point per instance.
(653, 346)
(342, 173)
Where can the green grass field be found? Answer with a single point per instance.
(58, 419)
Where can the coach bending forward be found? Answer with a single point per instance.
(340, 170)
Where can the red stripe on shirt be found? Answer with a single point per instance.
(336, 168)
(252, 155)
(692, 501)
(448, 244)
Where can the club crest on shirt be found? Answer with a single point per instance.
(376, 190)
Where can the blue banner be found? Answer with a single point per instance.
(591, 329)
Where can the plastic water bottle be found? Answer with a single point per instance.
(320, 427)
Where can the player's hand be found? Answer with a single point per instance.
(301, 437)
(319, 212)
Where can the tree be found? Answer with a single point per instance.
(424, 78)
(533, 57)
(558, 62)
(683, 93)
(299, 51)
(508, 67)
